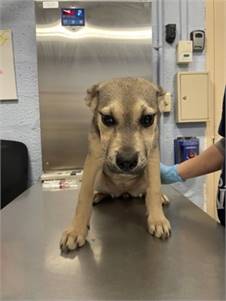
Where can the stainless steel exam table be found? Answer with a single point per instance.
(120, 261)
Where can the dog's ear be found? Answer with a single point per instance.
(160, 94)
(161, 98)
(92, 97)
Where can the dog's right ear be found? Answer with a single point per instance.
(92, 97)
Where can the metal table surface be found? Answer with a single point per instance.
(120, 261)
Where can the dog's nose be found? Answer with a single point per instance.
(127, 161)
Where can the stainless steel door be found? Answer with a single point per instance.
(115, 42)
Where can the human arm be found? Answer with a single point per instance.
(208, 161)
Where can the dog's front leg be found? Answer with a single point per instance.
(158, 224)
(75, 235)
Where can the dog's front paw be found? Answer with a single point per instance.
(72, 238)
(159, 226)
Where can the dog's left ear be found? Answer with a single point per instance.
(92, 97)
(161, 98)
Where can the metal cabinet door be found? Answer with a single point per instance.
(115, 42)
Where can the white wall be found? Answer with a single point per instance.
(19, 120)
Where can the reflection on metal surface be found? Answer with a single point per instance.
(61, 265)
(93, 32)
(96, 251)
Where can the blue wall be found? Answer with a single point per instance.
(19, 120)
(188, 15)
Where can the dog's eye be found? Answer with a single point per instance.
(108, 120)
(147, 120)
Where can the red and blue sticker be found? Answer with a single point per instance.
(73, 16)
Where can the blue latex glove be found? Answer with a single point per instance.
(169, 174)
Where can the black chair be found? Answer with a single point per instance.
(14, 170)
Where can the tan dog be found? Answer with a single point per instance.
(123, 155)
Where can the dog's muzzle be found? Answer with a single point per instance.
(127, 161)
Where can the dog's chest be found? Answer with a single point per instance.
(117, 185)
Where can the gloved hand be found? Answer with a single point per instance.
(169, 174)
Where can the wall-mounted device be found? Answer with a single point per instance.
(192, 97)
(185, 148)
(73, 16)
(166, 101)
(198, 38)
(184, 52)
(170, 33)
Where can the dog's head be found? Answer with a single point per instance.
(126, 112)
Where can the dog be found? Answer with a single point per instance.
(123, 156)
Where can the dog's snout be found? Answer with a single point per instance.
(127, 161)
